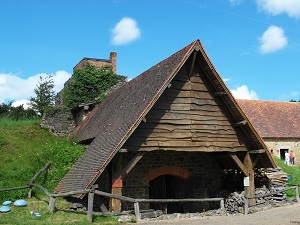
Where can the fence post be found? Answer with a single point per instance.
(297, 194)
(30, 192)
(52, 204)
(222, 204)
(137, 211)
(245, 205)
(90, 205)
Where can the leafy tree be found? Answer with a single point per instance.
(44, 95)
(88, 84)
(16, 113)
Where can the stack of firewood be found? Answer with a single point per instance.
(277, 180)
(234, 201)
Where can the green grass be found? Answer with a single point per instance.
(22, 215)
(25, 148)
(293, 171)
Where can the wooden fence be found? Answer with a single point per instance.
(92, 192)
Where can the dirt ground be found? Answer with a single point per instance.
(276, 216)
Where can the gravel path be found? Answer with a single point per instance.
(276, 216)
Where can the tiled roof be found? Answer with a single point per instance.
(110, 124)
(273, 119)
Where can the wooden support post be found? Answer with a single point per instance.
(250, 188)
(297, 194)
(52, 204)
(137, 211)
(90, 206)
(117, 183)
(246, 206)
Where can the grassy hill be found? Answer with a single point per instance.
(25, 148)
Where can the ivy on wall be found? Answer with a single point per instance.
(88, 84)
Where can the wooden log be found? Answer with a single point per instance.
(39, 172)
(15, 188)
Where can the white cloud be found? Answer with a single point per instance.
(272, 40)
(242, 92)
(14, 88)
(235, 2)
(276, 7)
(125, 31)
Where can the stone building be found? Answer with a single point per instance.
(175, 131)
(278, 123)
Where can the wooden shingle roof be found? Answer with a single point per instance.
(273, 119)
(109, 125)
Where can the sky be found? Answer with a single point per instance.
(253, 44)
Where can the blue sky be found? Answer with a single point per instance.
(254, 44)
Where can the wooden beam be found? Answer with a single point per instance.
(193, 63)
(238, 162)
(258, 151)
(131, 164)
(256, 160)
(249, 190)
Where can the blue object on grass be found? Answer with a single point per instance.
(7, 203)
(20, 202)
(289, 178)
(5, 208)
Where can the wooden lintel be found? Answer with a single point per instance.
(132, 163)
(238, 162)
(193, 63)
(258, 151)
(241, 123)
(220, 93)
(256, 160)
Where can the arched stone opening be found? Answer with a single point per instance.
(167, 182)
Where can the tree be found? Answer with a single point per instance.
(44, 95)
(88, 84)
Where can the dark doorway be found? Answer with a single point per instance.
(167, 187)
(282, 153)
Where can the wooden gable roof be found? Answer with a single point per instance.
(109, 126)
(273, 119)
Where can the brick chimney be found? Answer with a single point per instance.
(113, 59)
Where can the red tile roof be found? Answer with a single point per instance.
(273, 119)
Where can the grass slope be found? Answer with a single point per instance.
(25, 148)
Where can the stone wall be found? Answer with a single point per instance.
(205, 177)
(59, 121)
(277, 144)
